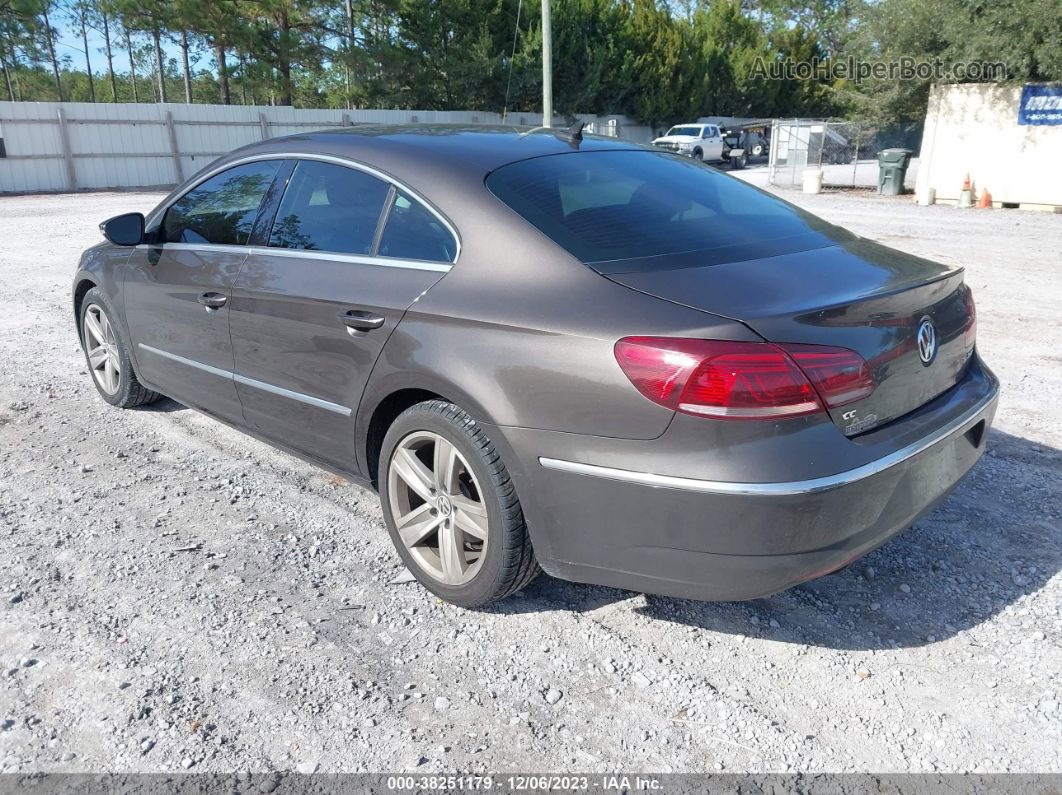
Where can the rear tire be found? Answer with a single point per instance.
(463, 532)
(107, 356)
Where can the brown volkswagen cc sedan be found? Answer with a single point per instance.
(549, 350)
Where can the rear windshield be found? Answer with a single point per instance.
(641, 205)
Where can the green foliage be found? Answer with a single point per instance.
(659, 61)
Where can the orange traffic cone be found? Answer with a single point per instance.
(986, 200)
(966, 194)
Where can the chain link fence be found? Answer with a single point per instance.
(846, 151)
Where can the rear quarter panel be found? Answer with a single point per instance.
(520, 334)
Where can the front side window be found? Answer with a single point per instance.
(221, 210)
(412, 232)
(328, 207)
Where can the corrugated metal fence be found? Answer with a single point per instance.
(53, 146)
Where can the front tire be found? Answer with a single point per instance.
(107, 356)
(451, 507)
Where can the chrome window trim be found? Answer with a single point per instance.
(252, 382)
(791, 488)
(353, 259)
(224, 248)
(158, 212)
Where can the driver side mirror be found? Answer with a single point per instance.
(124, 230)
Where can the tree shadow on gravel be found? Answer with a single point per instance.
(994, 540)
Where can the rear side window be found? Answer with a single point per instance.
(413, 232)
(327, 207)
(222, 209)
(623, 205)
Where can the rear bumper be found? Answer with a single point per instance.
(699, 538)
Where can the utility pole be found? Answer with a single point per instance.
(547, 67)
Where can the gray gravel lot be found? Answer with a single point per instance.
(277, 641)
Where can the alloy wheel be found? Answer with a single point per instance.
(437, 507)
(102, 349)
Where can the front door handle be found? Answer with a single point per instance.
(360, 320)
(213, 300)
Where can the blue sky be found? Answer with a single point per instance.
(69, 45)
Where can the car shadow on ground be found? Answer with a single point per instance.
(164, 405)
(994, 540)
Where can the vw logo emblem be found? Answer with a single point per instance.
(927, 341)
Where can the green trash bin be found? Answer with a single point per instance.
(892, 168)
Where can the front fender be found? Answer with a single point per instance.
(101, 266)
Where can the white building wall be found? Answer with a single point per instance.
(140, 145)
(973, 128)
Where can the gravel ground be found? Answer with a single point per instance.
(178, 596)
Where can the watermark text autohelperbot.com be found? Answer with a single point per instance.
(856, 70)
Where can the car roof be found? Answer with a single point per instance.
(460, 147)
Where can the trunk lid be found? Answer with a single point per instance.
(858, 295)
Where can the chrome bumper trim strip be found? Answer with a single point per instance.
(797, 487)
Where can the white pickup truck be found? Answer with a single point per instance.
(702, 141)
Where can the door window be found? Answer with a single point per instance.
(413, 232)
(222, 209)
(328, 207)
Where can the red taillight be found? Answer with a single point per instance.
(840, 376)
(742, 380)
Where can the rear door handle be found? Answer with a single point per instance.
(213, 300)
(360, 320)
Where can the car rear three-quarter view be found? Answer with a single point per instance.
(550, 350)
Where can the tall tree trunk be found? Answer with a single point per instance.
(160, 69)
(349, 7)
(223, 73)
(243, 78)
(187, 69)
(284, 61)
(82, 13)
(51, 52)
(7, 74)
(110, 58)
(132, 65)
(284, 69)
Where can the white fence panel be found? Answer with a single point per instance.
(52, 146)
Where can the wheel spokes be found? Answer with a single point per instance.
(435, 504)
(444, 466)
(101, 348)
(418, 524)
(94, 327)
(451, 554)
(413, 473)
(111, 374)
(98, 357)
(470, 517)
